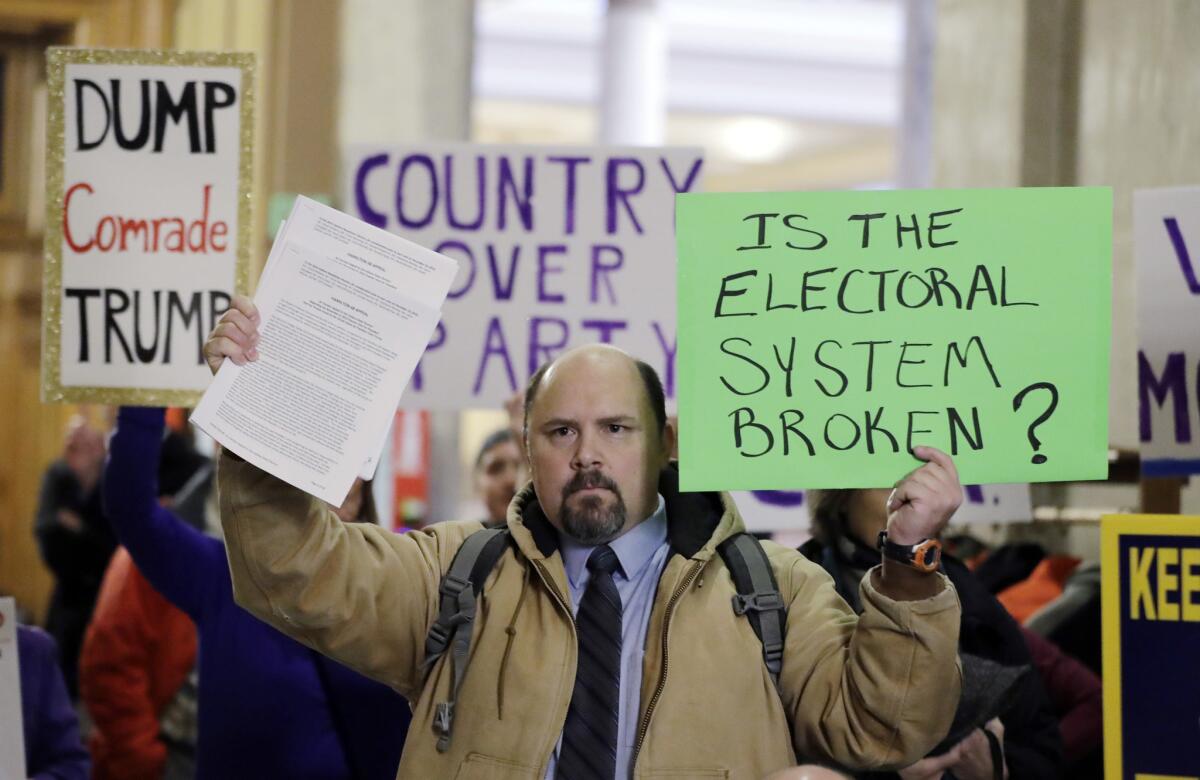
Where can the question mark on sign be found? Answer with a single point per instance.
(1033, 439)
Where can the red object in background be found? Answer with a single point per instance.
(1044, 585)
(177, 419)
(410, 470)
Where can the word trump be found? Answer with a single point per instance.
(146, 324)
(1164, 583)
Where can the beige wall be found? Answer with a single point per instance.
(31, 433)
(406, 78)
(1074, 92)
(1139, 127)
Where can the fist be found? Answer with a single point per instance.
(235, 335)
(925, 500)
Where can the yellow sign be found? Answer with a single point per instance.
(1151, 604)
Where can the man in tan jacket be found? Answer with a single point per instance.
(635, 666)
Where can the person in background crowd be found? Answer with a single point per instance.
(496, 468)
(1041, 587)
(267, 705)
(53, 750)
(139, 652)
(1077, 697)
(846, 525)
(138, 655)
(75, 541)
(515, 408)
(1072, 621)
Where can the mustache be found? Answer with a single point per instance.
(589, 479)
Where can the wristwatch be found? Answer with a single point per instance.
(925, 555)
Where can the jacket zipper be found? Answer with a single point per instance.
(562, 602)
(549, 583)
(662, 678)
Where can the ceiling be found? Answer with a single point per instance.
(782, 94)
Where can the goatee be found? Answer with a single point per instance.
(592, 522)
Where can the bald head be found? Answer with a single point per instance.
(597, 441)
(606, 358)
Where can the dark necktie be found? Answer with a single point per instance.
(589, 741)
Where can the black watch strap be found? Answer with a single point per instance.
(925, 555)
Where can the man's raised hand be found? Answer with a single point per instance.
(925, 500)
(235, 335)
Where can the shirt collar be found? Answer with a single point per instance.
(634, 549)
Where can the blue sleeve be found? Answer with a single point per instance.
(179, 561)
(371, 719)
(53, 748)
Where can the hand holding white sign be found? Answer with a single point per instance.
(236, 335)
(318, 362)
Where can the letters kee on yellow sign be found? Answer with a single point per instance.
(1164, 583)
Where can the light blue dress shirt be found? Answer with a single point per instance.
(643, 555)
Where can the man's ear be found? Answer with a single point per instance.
(670, 440)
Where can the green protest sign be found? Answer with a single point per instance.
(822, 335)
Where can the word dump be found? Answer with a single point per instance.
(193, 106)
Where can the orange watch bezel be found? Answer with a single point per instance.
(920, 553)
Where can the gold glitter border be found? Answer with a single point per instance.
(57, 58)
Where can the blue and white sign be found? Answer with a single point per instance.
(1166, 236)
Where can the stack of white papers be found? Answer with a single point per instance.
(347, 310)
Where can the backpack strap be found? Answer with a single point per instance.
(757, 596)
(459, 589)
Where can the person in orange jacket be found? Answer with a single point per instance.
(137, 655)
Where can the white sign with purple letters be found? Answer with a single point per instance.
(1166, 240)
(788, 510)
(557, 247)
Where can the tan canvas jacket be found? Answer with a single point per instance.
(878, 690)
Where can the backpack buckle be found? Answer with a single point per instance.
(759, 601)
(452, 586)
(443, 722)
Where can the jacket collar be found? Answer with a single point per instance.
(696, 522)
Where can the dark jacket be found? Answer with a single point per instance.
(1032, 746)
(53, 750)
(1078, 700)
(76, 558)
(268, 706)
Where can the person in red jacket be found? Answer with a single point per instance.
(137, 655)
